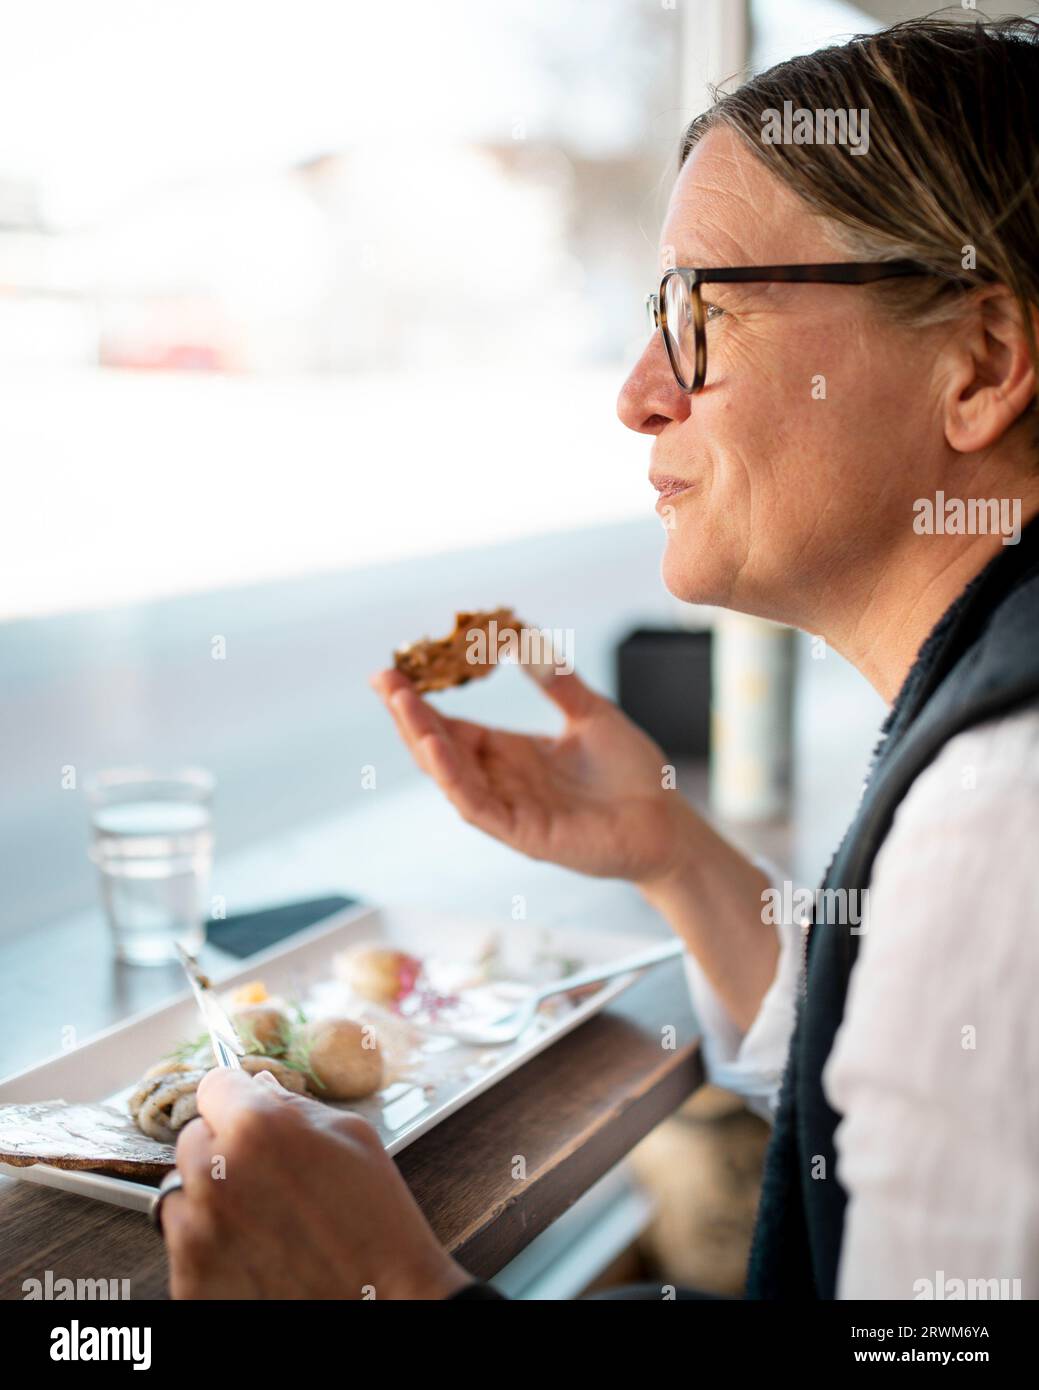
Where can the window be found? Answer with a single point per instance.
(295, 288)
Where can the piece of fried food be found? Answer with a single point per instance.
(469, 652)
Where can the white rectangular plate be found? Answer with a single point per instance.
(103, 1068)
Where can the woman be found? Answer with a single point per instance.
(810, 427)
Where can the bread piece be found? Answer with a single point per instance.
(438, 663)
(95, 1137)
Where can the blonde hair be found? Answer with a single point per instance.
(950, 174)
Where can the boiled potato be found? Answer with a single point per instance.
(341, 1056)
(262, 1026)
(377, 972)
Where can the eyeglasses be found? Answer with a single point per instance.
(678, 310)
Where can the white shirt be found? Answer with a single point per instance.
(935, 1067)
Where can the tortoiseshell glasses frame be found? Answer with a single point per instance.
(679, 299)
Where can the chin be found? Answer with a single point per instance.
(691, 576)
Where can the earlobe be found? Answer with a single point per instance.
(994, 381)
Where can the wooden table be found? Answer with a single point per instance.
(571, 1112)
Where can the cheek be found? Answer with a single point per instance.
(859, 431)
(791, 451)
(797, 430)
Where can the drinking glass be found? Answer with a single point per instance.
(152, 841)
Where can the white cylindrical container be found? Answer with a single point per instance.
(752, 663)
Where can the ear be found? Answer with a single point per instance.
(992, 378)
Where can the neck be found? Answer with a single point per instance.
(902, 601)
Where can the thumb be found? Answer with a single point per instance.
(268, 1079)
(565, 689)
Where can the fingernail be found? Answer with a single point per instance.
(269, 1079)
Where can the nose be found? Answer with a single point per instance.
(651, 397)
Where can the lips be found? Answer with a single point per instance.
(669, 486)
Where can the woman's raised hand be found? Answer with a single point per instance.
(592, 799)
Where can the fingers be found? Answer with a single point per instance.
(223, 1106)
(445, 749)
(193, 1161)
(567, 691)
(225, 1095)
(440, 746)
(194, 1155)
(465, 786)
(415, 717)
(441, 761)
(174, 1209)
(450, 751)
(412, 716)
(386, 683)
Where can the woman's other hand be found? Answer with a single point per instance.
(594, 799)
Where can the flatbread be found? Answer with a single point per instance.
(95, 1137)
(439, 663)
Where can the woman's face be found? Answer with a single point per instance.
(818, 425)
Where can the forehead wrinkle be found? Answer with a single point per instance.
(710, 241)
(714, 208)
(748, 212)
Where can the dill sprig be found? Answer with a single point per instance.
(300, 1059)
(291, 1050)
(185, 1051)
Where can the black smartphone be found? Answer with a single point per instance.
(245, 933)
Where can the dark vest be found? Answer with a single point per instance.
(979, 663)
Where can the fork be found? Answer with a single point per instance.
(508, 1026)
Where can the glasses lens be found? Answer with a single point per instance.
(681, 327)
